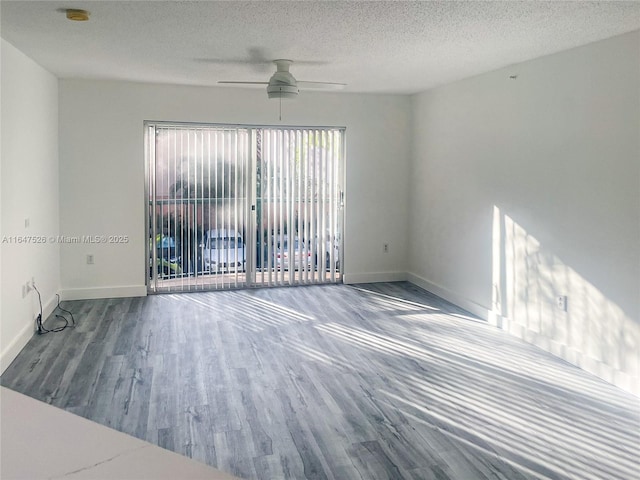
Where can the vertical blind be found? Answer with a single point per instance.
(234, 206)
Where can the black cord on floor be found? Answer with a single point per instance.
(73, 320)
(41, 329)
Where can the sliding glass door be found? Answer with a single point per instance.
(235, 206)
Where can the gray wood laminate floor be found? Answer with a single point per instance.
(382, 381)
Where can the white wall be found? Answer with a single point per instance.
(102, 171)
(526, 189)
(29, 190)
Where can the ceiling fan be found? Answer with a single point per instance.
(284, 85)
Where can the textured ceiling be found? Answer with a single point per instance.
(390, 47)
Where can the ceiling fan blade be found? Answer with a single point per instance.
(321, 85)
(243, 83)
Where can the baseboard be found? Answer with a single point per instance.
(18, 343)
(351, 278)
(104, 292)
(480, 311)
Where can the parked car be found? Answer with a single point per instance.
(331, 251)
(300, 252)
(223, 251)
(167, 258)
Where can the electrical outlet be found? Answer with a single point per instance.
(26, 288)
(90, 259)
(385, 247)
(561, 302)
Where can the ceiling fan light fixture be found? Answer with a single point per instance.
(282, 91)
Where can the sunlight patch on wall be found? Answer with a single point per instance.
(537, 297)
